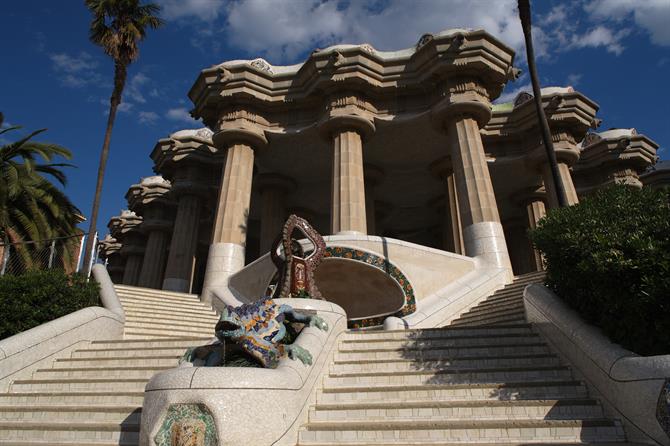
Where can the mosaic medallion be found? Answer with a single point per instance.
(387, 267)
(187, 425)
(663, 407)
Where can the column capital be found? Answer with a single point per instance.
(465, 97)
(565, 147)
(347, 112)
(530, 195)
(240, 126)
(264, 181)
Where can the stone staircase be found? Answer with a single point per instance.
(486, 379)
(94, 396)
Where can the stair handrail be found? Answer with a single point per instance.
(108, 296)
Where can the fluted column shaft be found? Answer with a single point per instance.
(184, 244)
(348, 185)
(131, 271)
(227, 251)
(482, 232)
(151, 274)
(568, 185)
(536, 210)
(454, 236)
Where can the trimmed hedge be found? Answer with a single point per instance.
(36, 297)
(609, 258)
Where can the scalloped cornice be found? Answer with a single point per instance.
(353, 67)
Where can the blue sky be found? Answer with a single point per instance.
(617, 52)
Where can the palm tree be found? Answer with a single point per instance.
(32, 209)
(117, 26)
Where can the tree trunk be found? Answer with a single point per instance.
(120, 74)
(524, 16)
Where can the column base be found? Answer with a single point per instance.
(223, 260)
(486, 240)
(177, 285)
(350, 233)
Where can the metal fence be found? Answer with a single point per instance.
(64, 253)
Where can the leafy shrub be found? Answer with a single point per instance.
(36, 297)
(609, 258)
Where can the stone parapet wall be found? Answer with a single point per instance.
(634, 387)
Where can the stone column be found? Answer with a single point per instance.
(151, 274)
(184, 243)
(452, 236)
(373, 176)
(227, 251)
(461, 112)
(348, 185)
(454, 217)
(131, 271)
(273, 189)
(568, 185)
(536, 210)
(347, 123)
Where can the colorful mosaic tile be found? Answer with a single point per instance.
(187, 425)
(384, 265)
(663, 407)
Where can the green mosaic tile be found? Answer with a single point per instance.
(187, 425)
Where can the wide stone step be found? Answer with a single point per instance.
(393, 394)
(449, 376)
(501, 318)
(496, 306)
(496, 314)
(436, 342)
(118, 361)
(134, 371)
(70, 431)
(376, 336)
(146, 322)
(574, 409)
(71, 412)
(137, 352)
(177, 316)
(492, 308)
(65, 398)
(461, 431)
(158, 342)
(79, 385)
(431, 354)
(443, 364)
(148, 305)
(131, 329)
(124, 289)
(131, 308)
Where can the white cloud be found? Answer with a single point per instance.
(73, 64)
(601, 36)
(76, 71)
(288, 28)
(510, 93)
(651, 15)
(179, 114)
(133, 90)
(574, 79)
(206, 10)
(148, 117)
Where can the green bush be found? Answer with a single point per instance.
(609, 258)
(36, 297)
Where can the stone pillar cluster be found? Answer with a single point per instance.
(349, 140)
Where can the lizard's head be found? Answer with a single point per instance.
(230, 324)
